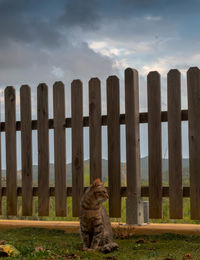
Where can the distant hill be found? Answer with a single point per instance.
(144, 170)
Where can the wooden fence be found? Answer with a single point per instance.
(132, 118)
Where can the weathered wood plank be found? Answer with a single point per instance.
(132, 147)
(77, 145)
(43, 150)
(174, 144)
(193, 86)
(26, 148)
(154, 145)
(59, 149)
(132, 133)
(114, 175)
(95, 128)
(11, 157)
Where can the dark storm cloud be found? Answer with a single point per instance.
(36, 43)
(19, 21)
(41, 22)
(79, 13)
(165, 7)
(47, 33)
(33, 21)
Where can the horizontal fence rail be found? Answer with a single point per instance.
(132, 119)
(143, 118)
(123, 191)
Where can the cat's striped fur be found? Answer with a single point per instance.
(95, 227)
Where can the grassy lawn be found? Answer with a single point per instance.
(37, 243)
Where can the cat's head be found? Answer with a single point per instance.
(100, 192)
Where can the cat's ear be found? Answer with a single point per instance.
(97, 182)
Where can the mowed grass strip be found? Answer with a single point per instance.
(39, 243)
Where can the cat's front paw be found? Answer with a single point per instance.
(106, 249)
(109, 247)
(114, 246)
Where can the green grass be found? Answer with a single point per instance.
(55, 244)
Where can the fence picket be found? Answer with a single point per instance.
(154, 145)
(11, 157)
(132, 146)
(95, 128)
(193, 85)
(174, 143)
(43, 150)
(114, 175)
(59, 149)
(77, 145)
(26, 148)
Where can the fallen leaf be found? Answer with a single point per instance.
(9, 250)
(39, 249)
(168, 259)
(141, 241)
(187, 256)
(3, 253)
(2, 242)
(151, 248)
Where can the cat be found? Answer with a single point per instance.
(95, 227)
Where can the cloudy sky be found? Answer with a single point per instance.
(46, 41)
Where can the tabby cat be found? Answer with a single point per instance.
(95, 227)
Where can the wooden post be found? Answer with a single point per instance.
(154, 145)
(114, 175)
(59, 149)
(77, 145)
(134, 204)
(11, 156)
(43, 150)
(174, 141)
(193, 85)
(26, 147)
(95, 128)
